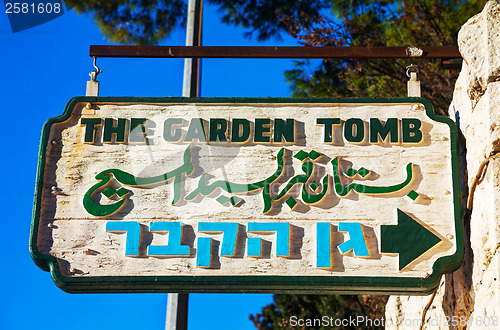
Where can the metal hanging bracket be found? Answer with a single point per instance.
(413, 83)
(93, 74)
(93, 84)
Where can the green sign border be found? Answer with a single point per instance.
(244, 283)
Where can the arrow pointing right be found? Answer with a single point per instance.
(408, 238)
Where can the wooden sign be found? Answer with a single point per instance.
(248, 195)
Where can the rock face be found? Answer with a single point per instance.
(469, 298)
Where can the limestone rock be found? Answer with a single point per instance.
(478, 41)
(469, 298)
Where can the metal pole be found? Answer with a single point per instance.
(428, 52)
(449, 55)
(178, 303)
(177, 311)
(192, 66)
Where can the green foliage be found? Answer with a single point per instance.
(147, 22)
(138, 22)
(263, 16)
(380, 23)
(334, 307)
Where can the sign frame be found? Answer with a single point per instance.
(250, 283)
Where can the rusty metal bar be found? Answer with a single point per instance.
(338, 52)
(452, 64)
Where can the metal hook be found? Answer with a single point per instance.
(93, 74)
(411, 68)
(413, 83)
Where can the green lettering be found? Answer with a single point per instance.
(110, 129)
(218, 129)
(411, 130)
(137, 130)
(167, 130)
(352, 124)
(378, 129)
(196, 130)
(328, 122)
(240, 130)
(90, 128)
(260, 129)
(284, 129)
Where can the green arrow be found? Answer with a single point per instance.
(408, 238)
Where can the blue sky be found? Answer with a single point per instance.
(42, 69)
